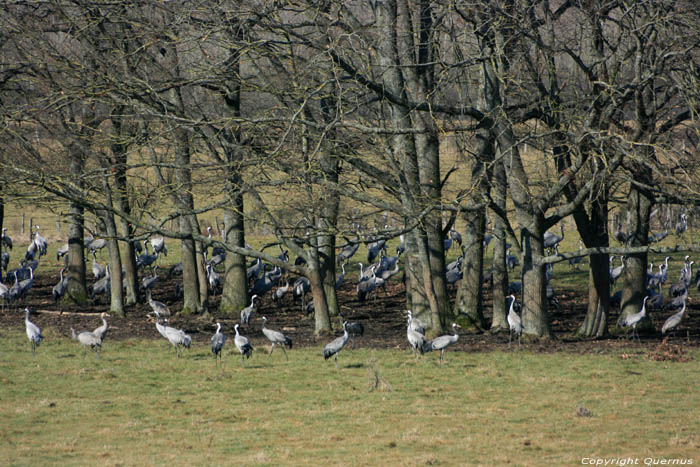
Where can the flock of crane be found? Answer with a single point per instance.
(371, 279)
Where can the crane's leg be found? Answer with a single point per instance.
(519, 334)
(336, 361)
(510, 337)
(285, 352)
(442, 353)
(273, 349)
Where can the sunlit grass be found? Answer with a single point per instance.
(138, 404)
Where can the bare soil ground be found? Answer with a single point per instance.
(383, 320)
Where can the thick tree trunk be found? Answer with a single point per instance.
(115, 267)
(535, 317)
(469, 302)
(235, 291)
(322, 322)
(76, 291)
(639, 206)
(499, 279)
(596, 322)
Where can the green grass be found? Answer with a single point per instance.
(139, 405)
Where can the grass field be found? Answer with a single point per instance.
(139, 405)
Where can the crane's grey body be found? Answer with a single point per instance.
(101, 331)
(160, 309)
(60, 289)
(158, 245)
(416, 339)
(633, 320)
(86, 338)
(247, 312)
(336, 345)
(243, 345)
(348, 251)
(280, 292)
(276, 338)
(33, 331)
(217, 342)
(97, 269)
(176, 337)
(62, 251)
(442, 343)
(148, 283)
(415, 324)
(674, 320)
(514, 322)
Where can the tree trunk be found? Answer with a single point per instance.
(469, 302)
(121, 201)
(76, 291)
(322, 322)
(639, 206)
(115, 261)
(235, 290)
(499, 279)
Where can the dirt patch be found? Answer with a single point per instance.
(383, 320)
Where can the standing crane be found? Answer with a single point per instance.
(176, 337)
(6, 240)
(633, 320)
(147, 283)
(86, 338)
(160, 309)
(243, 345)
(674, 320)
(414, 323)
(247, 312)
(442, 343)
(158, 245)
(101, 331)
(280, 292)
(277, 338)
(336, 345)
(97, 269)
(217, 340)
(60, 289)
(33, 331)
(514, 322)
(415, 338)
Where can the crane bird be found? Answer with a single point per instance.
(633, 320)
(336, 345)
(277, 338)
(158, 246)
(217, 341)
(96, 244)
(682, 225)
(60, 289)
(347, 251)
(33, 331)
(442, 343)
(101, 331)
(62, 251)
(86, 338)
(147, 283)
(97, 269)
(514, 322)
(40, 242)
(416, 339)
(247, 312)
(6, 240)
(550, 239)
(176, 337)
(160, 309)
(674, 320)
(415, 324)
(616, 272)
(243, 345)
(280, 292)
